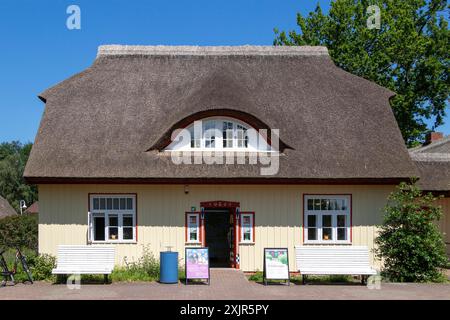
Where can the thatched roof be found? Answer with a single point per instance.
(6, 209)
(433, 162)
(105, 123)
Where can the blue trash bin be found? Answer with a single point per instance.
(168, 268)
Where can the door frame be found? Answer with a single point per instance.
(234, 208)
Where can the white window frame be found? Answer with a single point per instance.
(334, 213)
(252, 226)
(255, 141)
(120, 213)
(188, 227)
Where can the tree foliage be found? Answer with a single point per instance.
(19, 231)
(409, 242)
(13, 157)
(408, 54)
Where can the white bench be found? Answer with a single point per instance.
(82, 259)
(333, 260)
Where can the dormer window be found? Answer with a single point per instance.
(224, 134)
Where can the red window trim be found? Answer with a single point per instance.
(116, 193)
(327, 194)
(186, 228)
(253, 226)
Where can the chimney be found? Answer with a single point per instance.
(433, 137)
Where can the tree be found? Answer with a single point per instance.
(408, 54)
(409, 242)
(13, 157)
(19, 231)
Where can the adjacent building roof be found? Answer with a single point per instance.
(5, 208)
(33, 209)
(433, 162)
(107, 122)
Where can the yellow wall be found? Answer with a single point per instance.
(444, 223)
(161, 213)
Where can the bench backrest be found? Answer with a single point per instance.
(331, 257)
(85, 258)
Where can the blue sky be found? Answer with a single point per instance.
(38, 51)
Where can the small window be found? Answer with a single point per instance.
(247, 227)
(112, 218)
(327, 219)
(193, 227)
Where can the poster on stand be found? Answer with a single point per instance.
(276, 264)
(197, 264)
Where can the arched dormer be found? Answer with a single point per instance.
(218, 130)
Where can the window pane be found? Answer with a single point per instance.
(193, 227)
(210, 139)
(344, 205)
(109, 203)
(310, 204)
(227, 134)
(323, 204)
(96, 204)
(327, 234)
(247, 235)
(326, 220)
(113, 233)
(341, 221)
(122, 204)
(242, 138)
(102, 203)
(312, 234)
(129, 203)
(127, 233)
(116, 204)
(127, 221)
(312, 220)
(113, 221)
(99, 228)
(332, 204)
(342, 233)
(317, 204)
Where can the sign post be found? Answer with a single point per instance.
(276, 264)
(197, 264)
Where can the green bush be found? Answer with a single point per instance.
(146, 268)
(409, 243)
(19, 231)
(41, 266)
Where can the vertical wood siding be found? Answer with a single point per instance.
(444, 223)
(161, 215)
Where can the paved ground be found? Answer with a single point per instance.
(225, 284)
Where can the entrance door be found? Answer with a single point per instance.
(217, 237)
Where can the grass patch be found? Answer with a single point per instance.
(297, 279)
(128, 275)
(329, 279)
